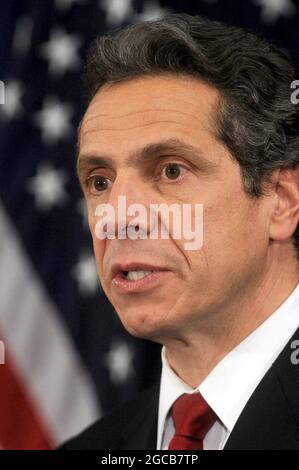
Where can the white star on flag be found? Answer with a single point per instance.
(62, 52)
(85, 272)
(54, 120)
(47, 186)
(152, 11)
(13, 92)
(273, 9)
(117, 11)
(66, 4)
(119, 362)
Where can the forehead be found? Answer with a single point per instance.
(148, 99)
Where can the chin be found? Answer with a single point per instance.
(145, 326)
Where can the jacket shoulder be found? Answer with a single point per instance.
(106, 432)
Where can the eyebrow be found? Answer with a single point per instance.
(172, 145)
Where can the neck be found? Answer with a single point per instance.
(193, 354)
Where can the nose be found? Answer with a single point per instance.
(127, 214)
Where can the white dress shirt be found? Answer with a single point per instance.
(230, 384)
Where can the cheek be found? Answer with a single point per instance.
(234, 237)
(98, 245)
(98, 253)
(231, 228)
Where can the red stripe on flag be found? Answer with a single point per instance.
(20, 426)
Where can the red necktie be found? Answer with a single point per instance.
(192, 418)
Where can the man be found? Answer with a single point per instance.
(185, 111)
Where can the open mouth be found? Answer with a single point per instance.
(137, 280)
(135, 275)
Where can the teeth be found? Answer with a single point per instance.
(136, 275)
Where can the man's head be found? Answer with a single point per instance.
(188, 111)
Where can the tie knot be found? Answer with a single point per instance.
(192, 416)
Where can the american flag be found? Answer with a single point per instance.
(65, 359)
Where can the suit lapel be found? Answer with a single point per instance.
(270, 419)
(140, 433)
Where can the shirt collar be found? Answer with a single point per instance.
(230, 384)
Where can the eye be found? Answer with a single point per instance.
(173, 171)
(98, 183)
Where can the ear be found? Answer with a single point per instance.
(285, 215)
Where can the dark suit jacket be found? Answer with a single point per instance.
(270, 419)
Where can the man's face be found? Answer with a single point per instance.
(196, 285)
